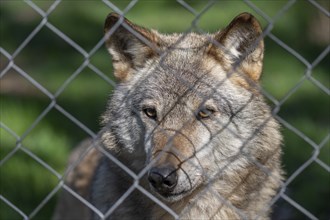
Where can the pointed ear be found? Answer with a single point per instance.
(130, 45)
(242, 45)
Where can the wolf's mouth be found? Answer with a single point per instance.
(171, 196)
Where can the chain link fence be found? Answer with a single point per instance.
(30, 72)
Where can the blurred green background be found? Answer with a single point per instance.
(51, 61)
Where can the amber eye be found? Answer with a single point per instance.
(150, 112)
(205, 113)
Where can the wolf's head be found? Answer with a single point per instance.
(190, 103)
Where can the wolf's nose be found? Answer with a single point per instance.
(163, 179)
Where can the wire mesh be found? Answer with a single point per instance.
(272, 21)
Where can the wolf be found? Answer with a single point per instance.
(187, 133)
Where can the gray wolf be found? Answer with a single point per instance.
(186, 134)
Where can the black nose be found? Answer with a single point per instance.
(164, 179)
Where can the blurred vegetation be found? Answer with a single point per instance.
(50, 61)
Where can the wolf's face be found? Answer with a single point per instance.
(178, 122)
(188, 101)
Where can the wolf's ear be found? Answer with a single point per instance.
(241, 45)
(130, 45)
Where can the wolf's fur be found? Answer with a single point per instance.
(188, 119)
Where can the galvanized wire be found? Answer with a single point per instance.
(45, 24)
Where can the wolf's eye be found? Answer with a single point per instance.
(150, 112)
(205, 113)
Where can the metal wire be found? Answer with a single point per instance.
(46, 24)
